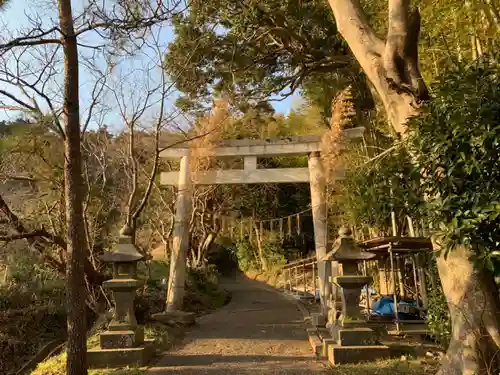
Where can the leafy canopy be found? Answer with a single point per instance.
(457, 143)
(252, 49)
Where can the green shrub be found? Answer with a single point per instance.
(438, 317)
(245, 252)
(438, 314)
(456, 143)
(273, 252)
(371, 191)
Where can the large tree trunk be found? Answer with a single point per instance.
(392, 68)
(76, 244)
(472, 298)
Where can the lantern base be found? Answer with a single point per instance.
(353, 342)
(122, 339)
(339, 355)
(112, 358)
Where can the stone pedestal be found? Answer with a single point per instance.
(352, 341)
(123, 344)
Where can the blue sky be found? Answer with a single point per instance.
(15, 18)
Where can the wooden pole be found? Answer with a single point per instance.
(415, 280)
(422, 280)
(386, 279)
(365, 272)
(410, 226)
(401, 275)
(314, 279)
(396, 313)
(231, 229)
(296, 280)
(304, 280)
(223, 225)
(281, 228)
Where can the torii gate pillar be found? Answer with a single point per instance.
(180, 245)
(317, 182)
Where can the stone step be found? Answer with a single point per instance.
(315, 341)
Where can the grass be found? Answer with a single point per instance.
(57, 364)
(387, 367)
(164, 336)
(201, 295)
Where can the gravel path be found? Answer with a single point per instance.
(258, 332)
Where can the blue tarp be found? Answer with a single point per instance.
(385, 306)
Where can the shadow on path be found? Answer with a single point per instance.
(258, 332)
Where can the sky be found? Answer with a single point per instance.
(126, 76)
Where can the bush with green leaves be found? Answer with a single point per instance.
(456, 143)
(372, 190)
(273, 252)
(245, 253)
(438, 314)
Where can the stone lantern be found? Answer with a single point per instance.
(352, 340)
(123, 343)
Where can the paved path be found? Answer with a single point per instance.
(258, 332)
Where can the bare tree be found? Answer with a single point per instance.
(145, 115)
(76, 241)
(391, 65)
(121, 22)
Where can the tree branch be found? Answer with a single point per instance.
(37, 42)
(401, 49)
(353, 24)
(32, 40)
(33, 237)
(18, 101)
(392, 67)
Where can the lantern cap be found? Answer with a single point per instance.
(126, 251)
(345, 248)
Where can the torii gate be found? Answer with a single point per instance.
(249, 150)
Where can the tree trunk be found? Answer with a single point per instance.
(76, 244)
(473, 301)
(392, 68)
(203, 247)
